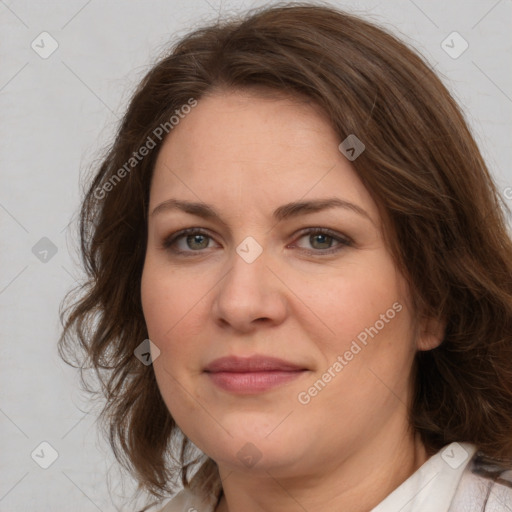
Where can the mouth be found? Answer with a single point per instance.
(252, 375)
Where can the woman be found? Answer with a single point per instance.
(296, 215)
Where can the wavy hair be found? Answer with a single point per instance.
(446, 224)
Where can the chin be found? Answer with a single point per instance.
(252, 457)
(252, 448)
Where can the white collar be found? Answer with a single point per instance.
(432, 487)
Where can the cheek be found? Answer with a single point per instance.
(166, 298)
(165, 304)
(174, 315)
(377, 335)
(352, 301)
(155, 305)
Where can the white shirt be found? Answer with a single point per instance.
(452, 480)
(432, 487)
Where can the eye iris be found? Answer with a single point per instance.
(323, 239)
(198, 239)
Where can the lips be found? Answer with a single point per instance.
(251, 364)
(252, 375)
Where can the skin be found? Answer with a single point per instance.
(247, 154)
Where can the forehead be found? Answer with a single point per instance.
(251, 149)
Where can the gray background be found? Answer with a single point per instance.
(57, 113)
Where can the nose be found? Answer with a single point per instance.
(250, 294)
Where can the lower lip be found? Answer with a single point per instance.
(252, 382)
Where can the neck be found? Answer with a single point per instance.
(357, 483)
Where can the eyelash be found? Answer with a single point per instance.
(343, 241)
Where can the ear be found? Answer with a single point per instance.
(430, 333)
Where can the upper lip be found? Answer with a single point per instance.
(257, 363)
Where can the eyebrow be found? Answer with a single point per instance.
(283, 212)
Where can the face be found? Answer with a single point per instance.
(285, 331)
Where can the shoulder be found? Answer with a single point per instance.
(498, 482)
(485, 486)
(188, 501)
(203, 493)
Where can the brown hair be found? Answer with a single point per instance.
(447, 230)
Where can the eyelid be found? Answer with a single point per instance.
(313, 230)
(343, 240)
(171, 239)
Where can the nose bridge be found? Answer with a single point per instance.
(249, 250)
(249, 291)
(248, 267)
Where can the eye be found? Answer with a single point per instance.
(187, 241)
(195, 240)
(324, 241)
